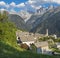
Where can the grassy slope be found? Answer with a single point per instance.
(7, 51)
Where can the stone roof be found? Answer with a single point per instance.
(26, 36)
(41, 44)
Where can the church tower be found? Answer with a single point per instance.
(47, 32)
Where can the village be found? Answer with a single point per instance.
(43, 43)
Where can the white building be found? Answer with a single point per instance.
(58, 45)
(43, 47)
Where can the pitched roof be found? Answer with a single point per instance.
(41, 44)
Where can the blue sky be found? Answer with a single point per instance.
(16, 1)
(17, 5)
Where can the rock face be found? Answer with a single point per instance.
(19, 22)
(25, 15)
(40, 15)
(50, 20)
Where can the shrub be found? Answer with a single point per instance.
(33, 48)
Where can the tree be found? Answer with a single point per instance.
(3, 16)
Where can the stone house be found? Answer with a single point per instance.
(58, 45)
(43, 47)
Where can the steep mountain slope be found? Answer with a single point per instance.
(50, 20)
(32, 20)
(18, 21)
(25, 15)
(41, 15)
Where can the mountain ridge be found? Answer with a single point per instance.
(49, 23)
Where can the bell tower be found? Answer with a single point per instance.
(47, 32)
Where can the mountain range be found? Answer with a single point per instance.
(49, 20)
(39, 21)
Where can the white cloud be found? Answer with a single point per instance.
(20, 5)
(12, 10)
(31, 1)
(7, 6)
(44, 1)
(2, 3)
(2, 9)
(13, 4)
(36, 7)
(35, 4)
(57, 1)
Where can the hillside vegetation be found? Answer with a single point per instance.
(8, 45)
